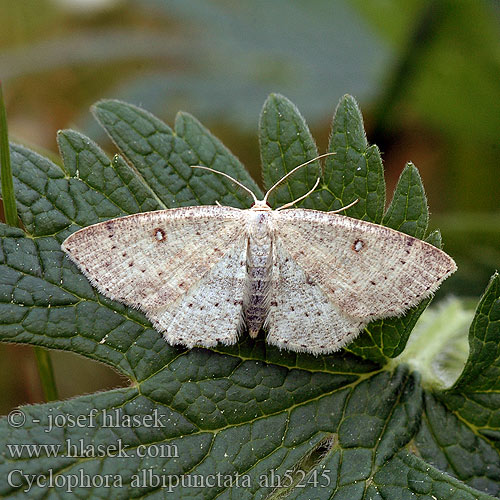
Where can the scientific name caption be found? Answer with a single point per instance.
(169, 483)
(144, 478)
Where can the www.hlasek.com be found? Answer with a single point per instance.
(148, 478)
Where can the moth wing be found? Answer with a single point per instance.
(366, 271)
(169, 263)
(301, 316)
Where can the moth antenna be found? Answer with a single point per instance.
(293, 171)
(345, 208)
(302, 197)
(230, 178)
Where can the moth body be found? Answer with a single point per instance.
(258, 269)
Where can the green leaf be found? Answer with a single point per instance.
(482, 371)
(285, 142)
(267, 415)
(408, 210)
(162, 157)
(355, 172)
(475, 396)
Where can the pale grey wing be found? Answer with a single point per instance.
(301, 316)
(365, 270)
(161, 262)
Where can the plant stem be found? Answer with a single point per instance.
(44, 362)
(424, 31)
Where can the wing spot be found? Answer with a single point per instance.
(358, 245)
(216, 304)
(190, 305)
(410, 242)
(403, 261)
(181, 285)
(273, 303)
(160, 234)
(113, 247)
(373, 282)
(143, 270)
(124, 254)
(130, 264)
(292, 308)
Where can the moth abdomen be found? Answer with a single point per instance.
(259, 265)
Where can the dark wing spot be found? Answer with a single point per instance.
(130, 264)
(159, 234)
(373, 282)
(273, 303)
(358, 245)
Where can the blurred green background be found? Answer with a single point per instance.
(426, 74)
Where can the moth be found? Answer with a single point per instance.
(312, 280)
